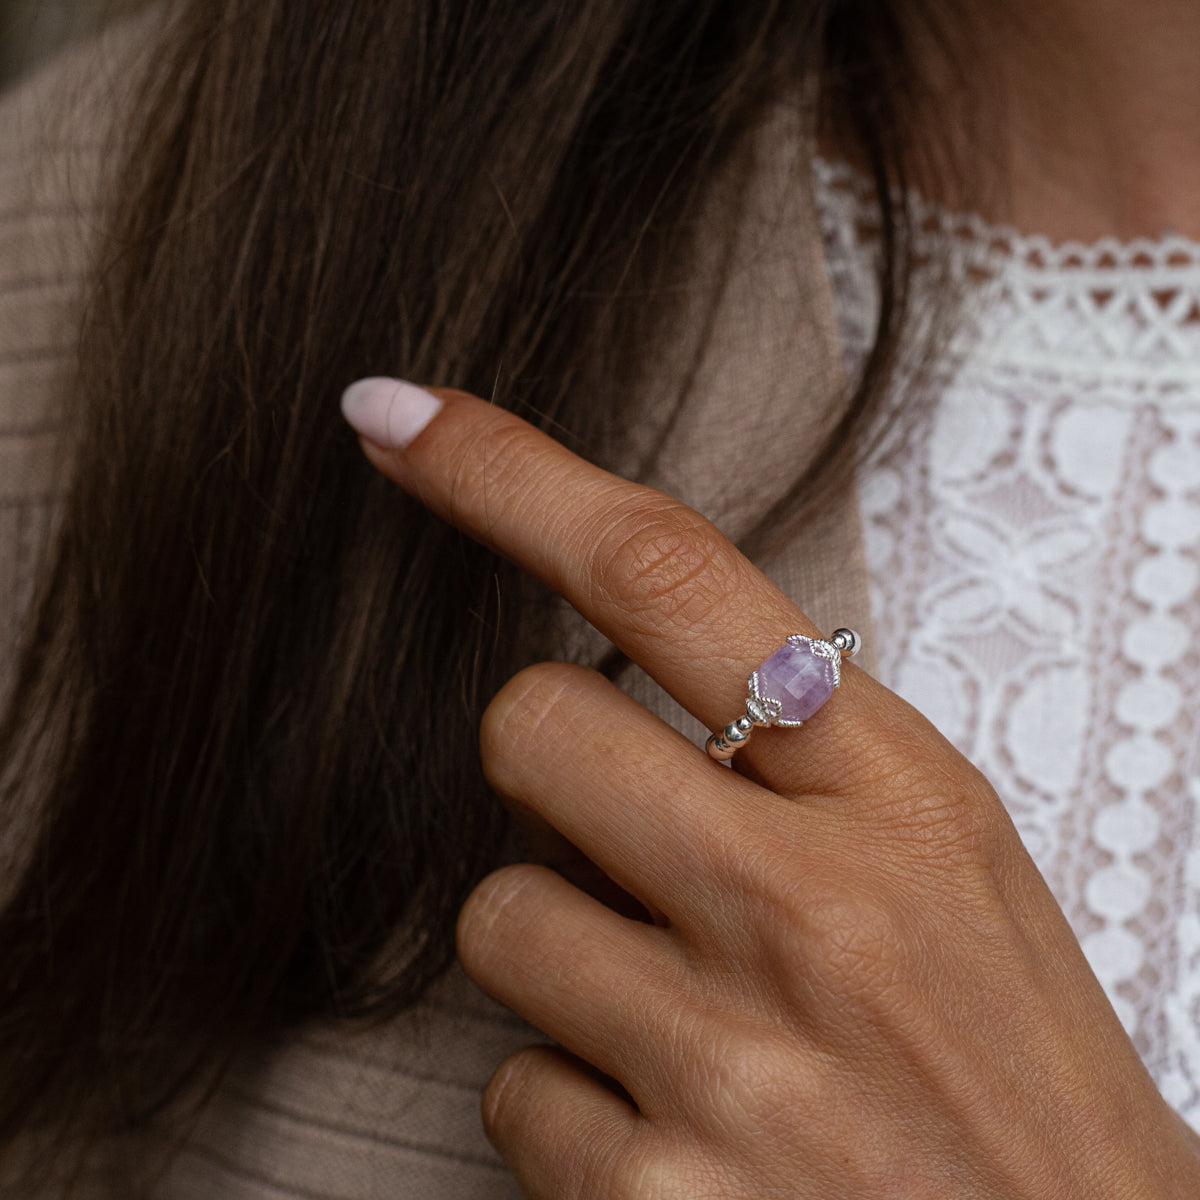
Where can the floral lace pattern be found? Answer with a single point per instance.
(1039, 535)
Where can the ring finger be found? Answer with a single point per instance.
(574, 969)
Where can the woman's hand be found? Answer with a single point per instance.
(858, 986)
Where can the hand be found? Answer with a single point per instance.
(857, 984)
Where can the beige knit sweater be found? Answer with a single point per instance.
(394, 1113)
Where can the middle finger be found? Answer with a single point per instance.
(627, 791)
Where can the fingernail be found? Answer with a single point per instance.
(388, 412)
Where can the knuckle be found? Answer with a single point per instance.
(647, 1173)
(497, 902)
(848, 945)
(535, 707)
(960, 822)
(503, 1096)
(859, 944)
(754, 1081)
(932, 798)
(594, 1158)
(961, 825)
(660, 560)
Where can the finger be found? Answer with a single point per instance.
(561, 1131)
(652, 575)
(625, 788)
(604, 987)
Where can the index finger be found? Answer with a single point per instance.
(654, 576)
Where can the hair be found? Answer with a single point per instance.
(249, 686)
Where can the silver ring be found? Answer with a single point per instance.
(788, 688)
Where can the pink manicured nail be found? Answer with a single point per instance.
(388, 412)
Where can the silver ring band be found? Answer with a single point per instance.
(788, 688)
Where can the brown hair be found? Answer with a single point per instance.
(249, 688)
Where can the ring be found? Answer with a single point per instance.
(788, 688)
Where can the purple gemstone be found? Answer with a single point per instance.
(799, 678)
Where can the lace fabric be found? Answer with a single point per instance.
(1039, 535)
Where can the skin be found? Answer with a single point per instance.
(855, 984)
(1098, 117)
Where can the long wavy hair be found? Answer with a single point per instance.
(248, 689)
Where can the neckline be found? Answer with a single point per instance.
(996, 242)
(1119, 316)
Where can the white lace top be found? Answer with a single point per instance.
(1035, 553)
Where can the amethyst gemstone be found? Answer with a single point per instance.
(799, 678)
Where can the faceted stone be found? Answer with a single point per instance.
(798, 678)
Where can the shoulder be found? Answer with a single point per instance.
(72, 102)
(57, 131)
